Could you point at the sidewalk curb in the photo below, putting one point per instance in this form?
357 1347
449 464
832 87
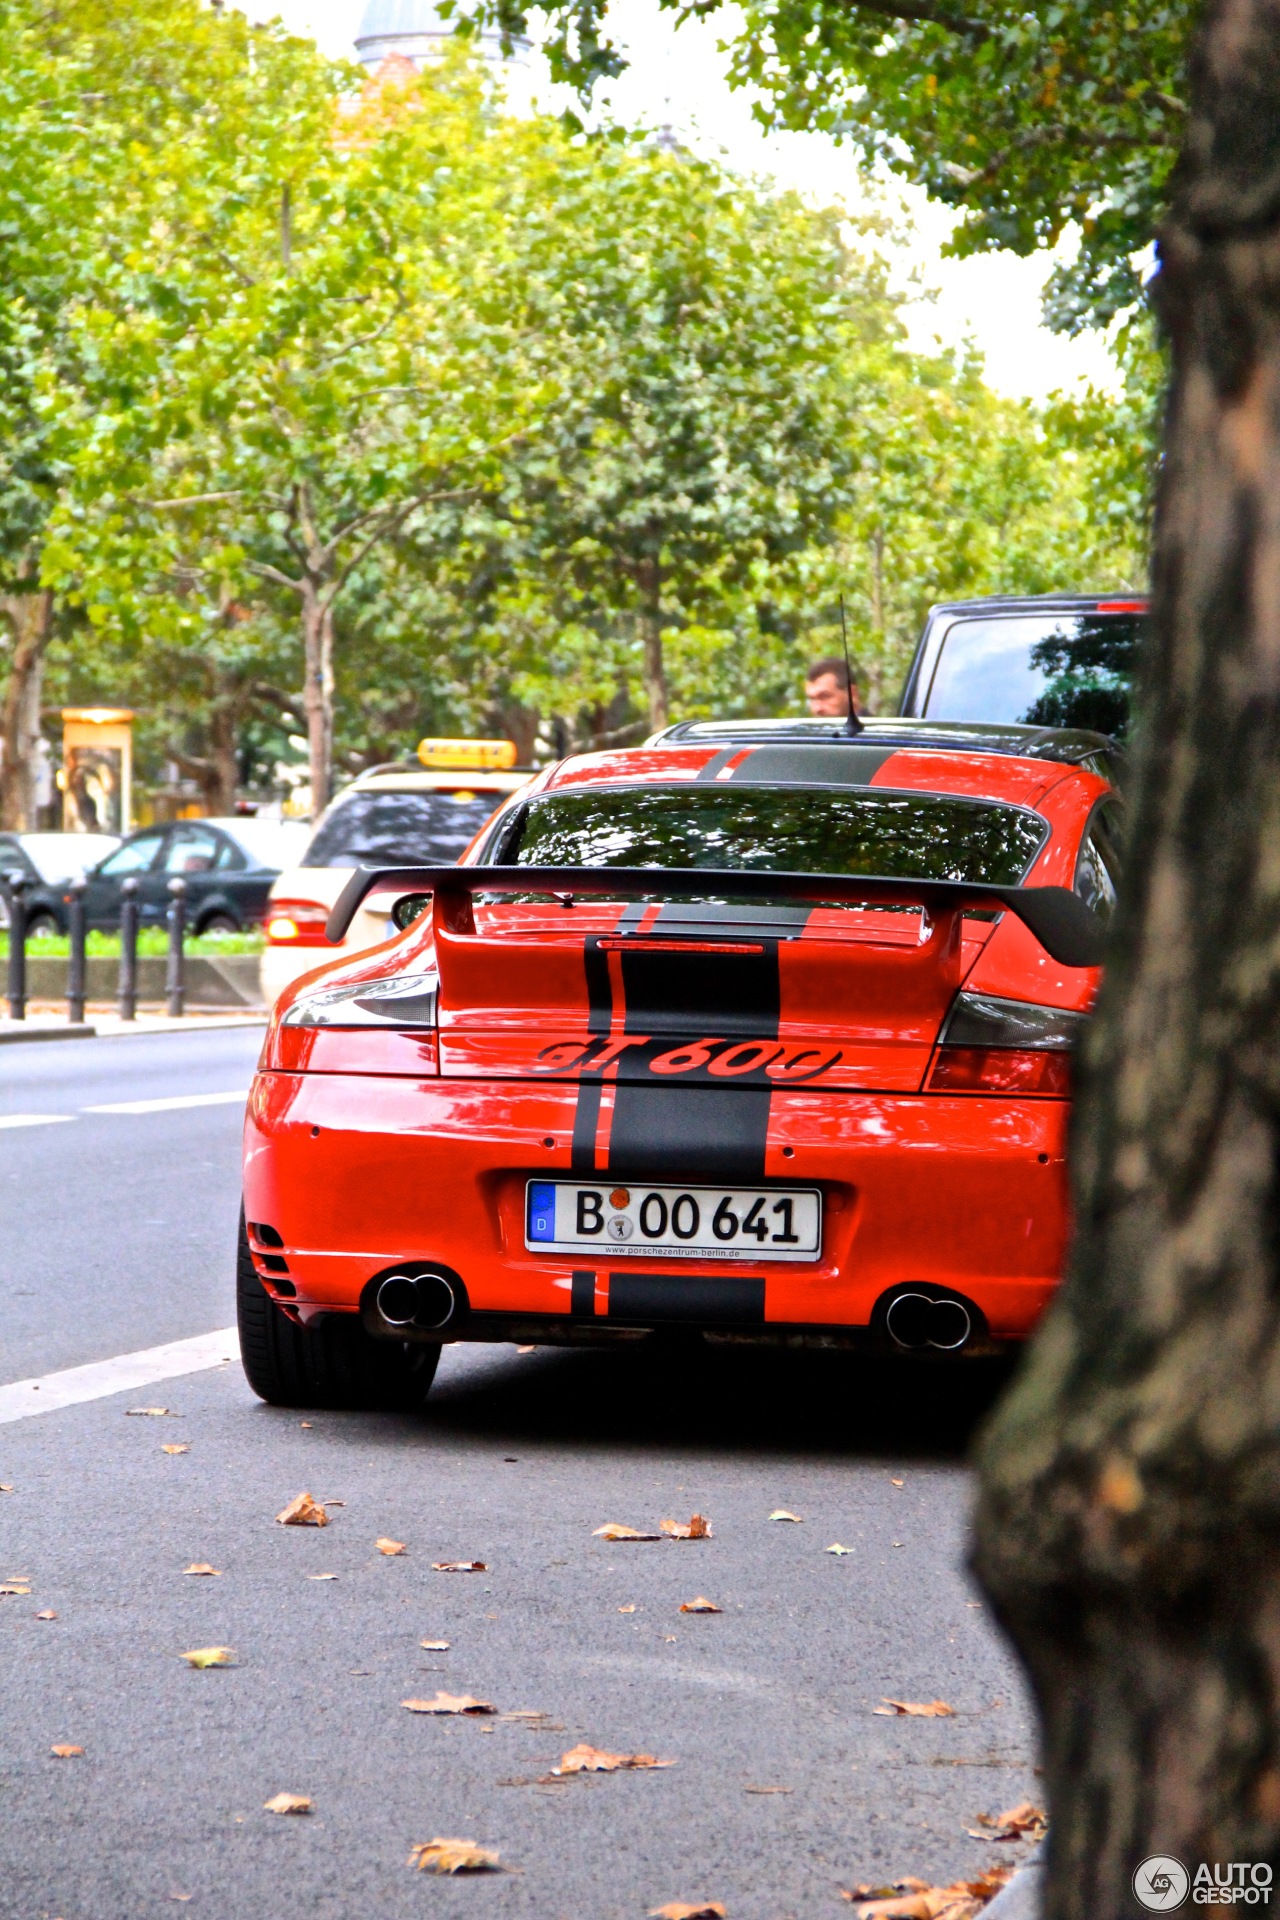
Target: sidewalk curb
12 1033
68 1032
1023 1897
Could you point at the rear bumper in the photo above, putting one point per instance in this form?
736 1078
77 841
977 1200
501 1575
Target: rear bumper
356 1173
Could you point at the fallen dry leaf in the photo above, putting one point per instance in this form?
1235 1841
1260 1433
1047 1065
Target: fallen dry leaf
202 1566
897 1483
585 1759
780 1513
614 1530
458 1566
700 1605
287 1803
66 1753
304 1512
835 1547
322 1576
176 1446
628 1609
768 1789
1025 1821
681 1910
6 1486
389 1547
435 1646
917 1709
304 1423
526 1349
695 1529
14 1586
49 1614
150 1413
449 1703
915 1900
210 1657
452 1856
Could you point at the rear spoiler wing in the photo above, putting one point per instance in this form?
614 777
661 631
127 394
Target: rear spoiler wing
1068 930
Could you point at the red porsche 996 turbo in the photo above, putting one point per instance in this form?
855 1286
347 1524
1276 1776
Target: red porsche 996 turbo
758 1034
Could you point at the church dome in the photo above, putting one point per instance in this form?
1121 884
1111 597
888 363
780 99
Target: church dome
411 28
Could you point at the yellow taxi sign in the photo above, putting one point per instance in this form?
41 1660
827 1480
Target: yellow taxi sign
489 754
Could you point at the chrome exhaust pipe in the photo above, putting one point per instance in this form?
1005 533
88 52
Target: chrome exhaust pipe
917 1320
425 1300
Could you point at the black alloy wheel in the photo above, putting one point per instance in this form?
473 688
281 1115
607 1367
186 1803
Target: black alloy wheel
218 923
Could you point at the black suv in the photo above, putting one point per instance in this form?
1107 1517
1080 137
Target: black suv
1048 660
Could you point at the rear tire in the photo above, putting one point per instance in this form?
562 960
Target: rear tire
335 1364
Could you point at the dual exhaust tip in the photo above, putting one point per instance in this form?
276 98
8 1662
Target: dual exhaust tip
917 1321
425 1301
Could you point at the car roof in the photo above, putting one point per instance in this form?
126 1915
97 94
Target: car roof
1014 603
408 776
837 762
1073 746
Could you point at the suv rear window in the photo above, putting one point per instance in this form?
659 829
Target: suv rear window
1039 670
913 836
401 829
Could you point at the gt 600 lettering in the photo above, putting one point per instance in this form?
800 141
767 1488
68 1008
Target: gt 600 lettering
724 1059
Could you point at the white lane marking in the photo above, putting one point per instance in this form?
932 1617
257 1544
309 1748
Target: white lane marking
174 1101
33 1119
123 1374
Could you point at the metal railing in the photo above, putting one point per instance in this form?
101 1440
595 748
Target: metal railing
16 885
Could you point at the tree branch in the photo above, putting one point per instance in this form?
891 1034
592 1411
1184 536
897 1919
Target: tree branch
189 500
920 13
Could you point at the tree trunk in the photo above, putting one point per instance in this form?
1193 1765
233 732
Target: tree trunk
648 576
317 643
30 618
1129 1519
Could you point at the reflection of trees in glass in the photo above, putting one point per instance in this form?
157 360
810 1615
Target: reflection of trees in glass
781 830
1088 664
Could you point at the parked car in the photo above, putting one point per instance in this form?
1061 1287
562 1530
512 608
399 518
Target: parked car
761 1039
407 815
1050 660
228 865
47 861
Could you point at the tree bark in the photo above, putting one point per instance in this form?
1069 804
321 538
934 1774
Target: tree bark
648 576
1128 1526
317 647
30 618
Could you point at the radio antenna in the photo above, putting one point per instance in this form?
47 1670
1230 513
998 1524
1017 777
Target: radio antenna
852 726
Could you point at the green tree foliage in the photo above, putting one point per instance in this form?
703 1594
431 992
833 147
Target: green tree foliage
1021 118
373 412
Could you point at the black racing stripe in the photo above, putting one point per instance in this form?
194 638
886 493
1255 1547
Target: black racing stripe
823 766
582 1296
722 1299
703 916
718 761
691 992
688 1132
599 986
661 1129
586 1118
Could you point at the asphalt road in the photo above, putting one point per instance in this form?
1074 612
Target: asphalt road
117 1231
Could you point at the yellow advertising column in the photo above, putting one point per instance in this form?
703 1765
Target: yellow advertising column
97 769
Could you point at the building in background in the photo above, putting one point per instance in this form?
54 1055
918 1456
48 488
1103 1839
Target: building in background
413 30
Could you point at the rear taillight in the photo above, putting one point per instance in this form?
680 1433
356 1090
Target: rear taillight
296 923
988 1045
404 1001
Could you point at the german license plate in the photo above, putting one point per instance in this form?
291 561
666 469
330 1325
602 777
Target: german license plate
692 1223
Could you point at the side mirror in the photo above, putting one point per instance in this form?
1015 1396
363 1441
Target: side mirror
410 908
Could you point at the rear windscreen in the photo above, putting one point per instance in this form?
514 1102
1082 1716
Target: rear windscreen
400 829
1039 670
910 836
